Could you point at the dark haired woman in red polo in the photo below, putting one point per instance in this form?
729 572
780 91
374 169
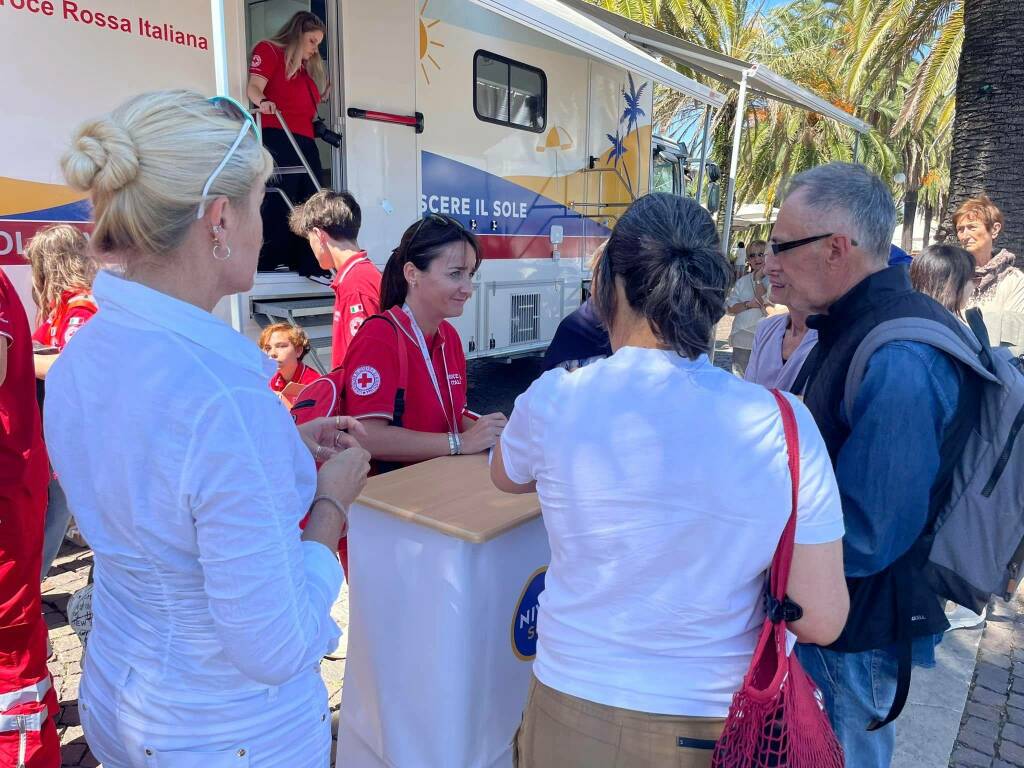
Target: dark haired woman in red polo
428 279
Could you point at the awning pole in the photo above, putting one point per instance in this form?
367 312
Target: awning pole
856 146
220 47
703 153
737 133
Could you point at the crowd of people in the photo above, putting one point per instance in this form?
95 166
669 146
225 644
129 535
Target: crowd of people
217 517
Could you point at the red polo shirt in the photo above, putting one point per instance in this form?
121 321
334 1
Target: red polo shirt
303 375
74 308
371 375
297 98
356 297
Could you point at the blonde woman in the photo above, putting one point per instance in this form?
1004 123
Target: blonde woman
287 78
62 275
210 613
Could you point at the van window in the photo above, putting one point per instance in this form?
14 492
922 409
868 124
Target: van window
508 92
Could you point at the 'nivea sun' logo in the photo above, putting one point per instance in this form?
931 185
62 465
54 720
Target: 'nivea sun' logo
524 620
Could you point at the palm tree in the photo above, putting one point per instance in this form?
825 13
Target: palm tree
988 134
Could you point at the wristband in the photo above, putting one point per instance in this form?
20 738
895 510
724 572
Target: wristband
262 100
333 502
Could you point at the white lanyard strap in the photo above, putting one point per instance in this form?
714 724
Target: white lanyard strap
430 366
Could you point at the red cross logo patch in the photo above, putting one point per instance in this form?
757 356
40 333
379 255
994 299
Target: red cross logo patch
365 380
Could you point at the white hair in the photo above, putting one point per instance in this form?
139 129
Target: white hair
854 196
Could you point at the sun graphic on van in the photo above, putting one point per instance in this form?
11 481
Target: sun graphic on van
426 42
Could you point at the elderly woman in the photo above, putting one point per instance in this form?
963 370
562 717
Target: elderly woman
998 284
210 613
652 603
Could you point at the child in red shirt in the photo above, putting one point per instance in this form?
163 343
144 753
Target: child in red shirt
287 344
330 221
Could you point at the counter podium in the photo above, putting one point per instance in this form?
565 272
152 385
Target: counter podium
444 575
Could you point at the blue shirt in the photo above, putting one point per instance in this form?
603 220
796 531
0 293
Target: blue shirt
886 468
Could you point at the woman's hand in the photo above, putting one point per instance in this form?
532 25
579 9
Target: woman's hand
267 107
343 476
484 433
328 435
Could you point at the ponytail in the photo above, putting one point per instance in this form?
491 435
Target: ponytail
665 250
421 243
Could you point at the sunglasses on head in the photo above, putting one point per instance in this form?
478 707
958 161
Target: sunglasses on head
235 110
436 218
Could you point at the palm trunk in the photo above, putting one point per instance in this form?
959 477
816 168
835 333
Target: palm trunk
909 214
988 135
929 212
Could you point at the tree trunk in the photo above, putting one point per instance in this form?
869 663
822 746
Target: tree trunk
988 133
909 214
929 212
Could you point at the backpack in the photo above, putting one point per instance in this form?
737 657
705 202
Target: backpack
326 395
973 545
977 547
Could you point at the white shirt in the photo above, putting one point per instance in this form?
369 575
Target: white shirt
188 480
664 488
743 324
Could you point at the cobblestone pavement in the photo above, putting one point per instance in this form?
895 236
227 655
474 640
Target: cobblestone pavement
992 726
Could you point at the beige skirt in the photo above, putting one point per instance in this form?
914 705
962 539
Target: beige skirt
562 731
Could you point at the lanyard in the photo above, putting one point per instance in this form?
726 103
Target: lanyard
430 368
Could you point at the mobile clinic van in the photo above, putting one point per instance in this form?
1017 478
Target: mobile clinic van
523 119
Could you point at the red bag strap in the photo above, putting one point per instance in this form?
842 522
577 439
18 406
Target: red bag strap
784 552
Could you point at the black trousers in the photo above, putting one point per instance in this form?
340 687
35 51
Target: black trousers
280 246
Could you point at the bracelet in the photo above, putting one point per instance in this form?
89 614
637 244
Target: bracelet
458 443
262 100
334 503
452 448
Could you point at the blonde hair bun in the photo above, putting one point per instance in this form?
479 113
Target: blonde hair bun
102 158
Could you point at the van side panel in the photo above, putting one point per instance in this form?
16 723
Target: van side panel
380 43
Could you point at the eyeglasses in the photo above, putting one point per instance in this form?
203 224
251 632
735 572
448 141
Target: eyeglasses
777 248
233 109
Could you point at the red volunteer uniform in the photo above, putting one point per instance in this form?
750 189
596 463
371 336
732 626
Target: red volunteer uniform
73 310
356 297
371 375
303 375
28 702
296 98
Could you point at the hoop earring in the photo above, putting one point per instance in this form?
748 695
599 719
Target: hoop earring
226 249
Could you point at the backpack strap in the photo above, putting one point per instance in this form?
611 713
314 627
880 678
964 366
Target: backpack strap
919 329
904 646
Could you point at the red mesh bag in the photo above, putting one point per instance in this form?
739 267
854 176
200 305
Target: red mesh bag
777 719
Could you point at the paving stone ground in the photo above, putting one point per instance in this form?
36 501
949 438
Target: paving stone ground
992 726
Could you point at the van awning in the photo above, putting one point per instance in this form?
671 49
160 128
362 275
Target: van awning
725 69
569 26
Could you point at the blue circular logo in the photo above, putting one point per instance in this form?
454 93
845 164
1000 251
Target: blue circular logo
524 620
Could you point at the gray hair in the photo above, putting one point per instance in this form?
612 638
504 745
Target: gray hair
855 195
666 251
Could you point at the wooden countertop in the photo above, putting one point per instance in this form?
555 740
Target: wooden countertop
453 495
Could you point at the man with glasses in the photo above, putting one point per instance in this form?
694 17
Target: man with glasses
829 252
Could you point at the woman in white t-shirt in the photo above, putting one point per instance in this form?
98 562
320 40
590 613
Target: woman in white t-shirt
653 598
